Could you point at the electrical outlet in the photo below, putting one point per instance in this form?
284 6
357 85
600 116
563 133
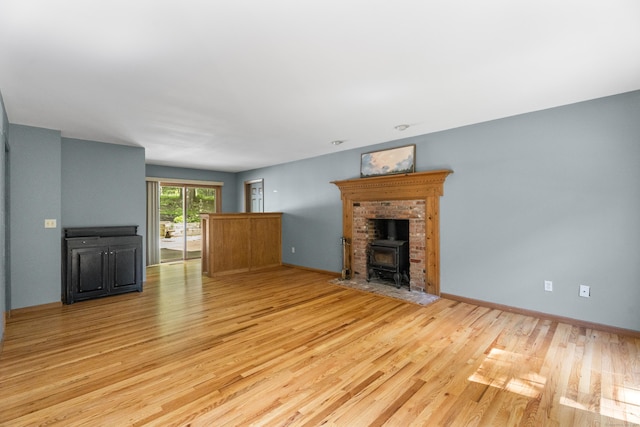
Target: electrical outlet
293 249
50 223
548 285
585 291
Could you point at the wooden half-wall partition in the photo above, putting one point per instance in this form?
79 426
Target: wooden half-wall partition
237 242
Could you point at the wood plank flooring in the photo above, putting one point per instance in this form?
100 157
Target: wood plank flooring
285 347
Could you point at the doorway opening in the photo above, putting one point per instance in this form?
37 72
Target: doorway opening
180 226
254 195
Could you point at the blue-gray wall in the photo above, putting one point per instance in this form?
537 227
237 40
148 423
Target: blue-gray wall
35 196
311 206
549 195
102 185
78 183
4 301
552 195
229 189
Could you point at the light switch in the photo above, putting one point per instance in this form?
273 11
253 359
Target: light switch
50 223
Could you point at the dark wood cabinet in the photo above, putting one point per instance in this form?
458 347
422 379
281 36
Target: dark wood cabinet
101 261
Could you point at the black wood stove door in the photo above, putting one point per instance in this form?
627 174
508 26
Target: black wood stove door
389 259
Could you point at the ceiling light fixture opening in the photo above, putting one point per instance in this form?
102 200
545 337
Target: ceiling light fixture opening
337 142
401 127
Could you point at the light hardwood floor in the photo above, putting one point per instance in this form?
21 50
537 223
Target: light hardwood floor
285 347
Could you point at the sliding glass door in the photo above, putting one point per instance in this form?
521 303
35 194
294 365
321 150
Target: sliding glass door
180 208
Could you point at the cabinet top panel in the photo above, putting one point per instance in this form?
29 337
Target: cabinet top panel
111 231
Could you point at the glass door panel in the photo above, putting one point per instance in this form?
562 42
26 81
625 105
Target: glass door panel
171 223
180 226
198 200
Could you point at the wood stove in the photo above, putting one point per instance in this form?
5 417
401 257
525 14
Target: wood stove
389 258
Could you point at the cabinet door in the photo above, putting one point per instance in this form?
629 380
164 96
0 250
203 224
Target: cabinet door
124 267
89 272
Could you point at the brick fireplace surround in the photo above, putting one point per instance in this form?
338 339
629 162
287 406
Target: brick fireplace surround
414 197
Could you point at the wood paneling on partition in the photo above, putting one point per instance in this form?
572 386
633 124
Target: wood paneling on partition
235 243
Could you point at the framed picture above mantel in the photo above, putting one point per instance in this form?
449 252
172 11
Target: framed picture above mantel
396 160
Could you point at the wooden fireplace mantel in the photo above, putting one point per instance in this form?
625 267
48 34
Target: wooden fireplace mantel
427 186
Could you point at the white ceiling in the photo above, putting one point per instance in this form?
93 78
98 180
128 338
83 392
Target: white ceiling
239 84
